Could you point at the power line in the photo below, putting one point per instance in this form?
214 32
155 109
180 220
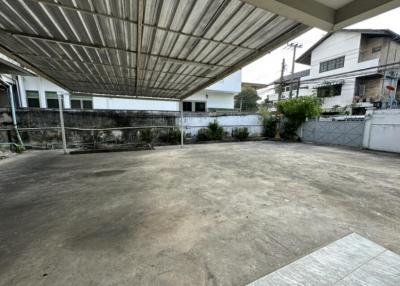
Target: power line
293 46
341 75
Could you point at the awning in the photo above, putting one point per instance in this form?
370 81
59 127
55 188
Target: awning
330 83
152 48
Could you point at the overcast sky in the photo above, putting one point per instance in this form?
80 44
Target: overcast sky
267 69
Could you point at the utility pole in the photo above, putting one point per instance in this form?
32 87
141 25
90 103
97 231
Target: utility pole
293 46
281 80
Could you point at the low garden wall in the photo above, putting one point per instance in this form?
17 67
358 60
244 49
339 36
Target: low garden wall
39 128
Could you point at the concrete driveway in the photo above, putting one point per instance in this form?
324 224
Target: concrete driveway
217 214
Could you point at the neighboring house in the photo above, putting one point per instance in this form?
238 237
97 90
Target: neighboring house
271 92
37 92
348 69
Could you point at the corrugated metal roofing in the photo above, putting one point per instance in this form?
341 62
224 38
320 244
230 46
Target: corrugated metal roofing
147 48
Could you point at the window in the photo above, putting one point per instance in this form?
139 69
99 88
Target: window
376 49
32 97
187 106
81 102
329 90
75 104
200 106
331 64
51 99
87 104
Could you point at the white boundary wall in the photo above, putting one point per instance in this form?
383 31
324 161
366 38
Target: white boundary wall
382 130
193 122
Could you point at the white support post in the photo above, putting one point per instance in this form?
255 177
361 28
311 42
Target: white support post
181 109
60 108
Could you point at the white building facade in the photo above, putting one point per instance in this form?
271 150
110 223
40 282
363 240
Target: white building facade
37 92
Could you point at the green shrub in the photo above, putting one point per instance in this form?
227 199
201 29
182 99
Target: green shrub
171 136
217 132
213 132
268 122
204 134
147 135
296 111
269 125
241 133
18 148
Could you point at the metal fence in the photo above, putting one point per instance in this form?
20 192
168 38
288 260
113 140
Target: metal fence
345 133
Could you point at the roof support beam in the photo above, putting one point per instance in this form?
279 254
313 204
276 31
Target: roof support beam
79 74
110 65
82 93
309 12
120 84
139 43
315 14
360 10
101 47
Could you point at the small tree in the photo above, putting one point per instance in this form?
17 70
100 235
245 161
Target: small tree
268 122
296 111
247 99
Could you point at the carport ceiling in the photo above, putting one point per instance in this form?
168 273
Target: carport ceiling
143 48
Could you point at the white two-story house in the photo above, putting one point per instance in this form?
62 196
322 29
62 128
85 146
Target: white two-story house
351 69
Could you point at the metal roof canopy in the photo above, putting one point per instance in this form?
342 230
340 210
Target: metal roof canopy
142 48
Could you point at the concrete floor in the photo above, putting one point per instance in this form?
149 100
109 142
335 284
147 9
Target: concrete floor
217 214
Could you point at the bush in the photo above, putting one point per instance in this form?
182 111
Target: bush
268 122
213 132
172 136
217 132
18 148
270 125
204 134
296 111
147 135
241 133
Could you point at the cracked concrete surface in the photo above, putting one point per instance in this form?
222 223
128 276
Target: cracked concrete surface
216 214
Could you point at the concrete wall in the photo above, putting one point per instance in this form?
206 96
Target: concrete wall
40 127
193 122
382 130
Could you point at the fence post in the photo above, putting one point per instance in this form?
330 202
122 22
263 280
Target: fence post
60 108
181 109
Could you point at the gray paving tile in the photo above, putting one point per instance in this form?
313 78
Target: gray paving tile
327 265
384 270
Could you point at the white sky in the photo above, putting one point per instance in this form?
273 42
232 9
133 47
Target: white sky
267 69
